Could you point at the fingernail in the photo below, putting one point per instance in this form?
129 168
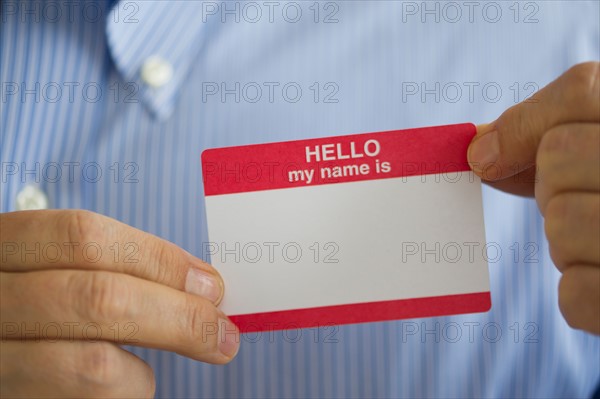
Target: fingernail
484 151
229 338
204 284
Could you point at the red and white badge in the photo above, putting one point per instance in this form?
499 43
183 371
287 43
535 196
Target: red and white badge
348 229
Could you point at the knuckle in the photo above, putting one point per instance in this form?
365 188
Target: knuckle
555 215
556 228
103 368
99 365
583 82
545 174
101 296
517 125
199 322
166 264
553 168
81 226
567 141
558 138
554 219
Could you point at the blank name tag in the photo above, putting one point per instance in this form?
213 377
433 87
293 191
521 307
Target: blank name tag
349 229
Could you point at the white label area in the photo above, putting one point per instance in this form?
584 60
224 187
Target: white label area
356 242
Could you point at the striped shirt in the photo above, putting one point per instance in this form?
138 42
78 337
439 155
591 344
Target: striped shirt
107 107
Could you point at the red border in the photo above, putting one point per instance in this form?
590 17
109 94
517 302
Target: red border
410 152
364 312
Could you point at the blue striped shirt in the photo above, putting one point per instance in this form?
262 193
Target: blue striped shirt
81 124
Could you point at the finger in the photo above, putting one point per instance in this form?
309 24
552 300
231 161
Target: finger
72 370
510 143
579 297
572 225
59 239
568 160
523 183
98 305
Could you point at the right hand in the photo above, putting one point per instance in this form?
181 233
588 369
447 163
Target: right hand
64 312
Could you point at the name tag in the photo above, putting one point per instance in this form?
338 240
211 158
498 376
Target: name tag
349 229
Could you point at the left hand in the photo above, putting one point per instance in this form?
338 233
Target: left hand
549 146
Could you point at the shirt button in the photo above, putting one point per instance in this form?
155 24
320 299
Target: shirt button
156 72
31 198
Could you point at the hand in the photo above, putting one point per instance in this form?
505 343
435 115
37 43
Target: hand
549 146
75 284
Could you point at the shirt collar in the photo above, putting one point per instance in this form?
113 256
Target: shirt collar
147 30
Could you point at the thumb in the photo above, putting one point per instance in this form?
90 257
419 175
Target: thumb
509 145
